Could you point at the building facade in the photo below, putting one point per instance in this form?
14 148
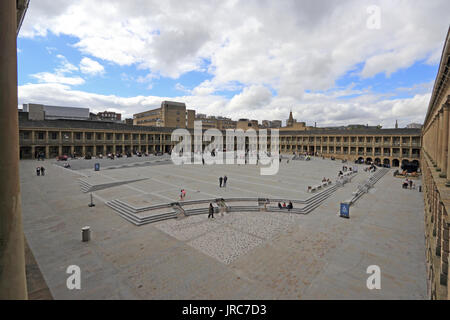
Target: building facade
66 137
44 112
109 116
170 115
436 180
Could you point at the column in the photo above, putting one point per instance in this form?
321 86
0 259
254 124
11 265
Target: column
83 141
440 118
444 141
12 255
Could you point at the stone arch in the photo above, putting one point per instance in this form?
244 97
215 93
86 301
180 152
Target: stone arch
395 163
386 161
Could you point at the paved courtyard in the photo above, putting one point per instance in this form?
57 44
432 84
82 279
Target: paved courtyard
243 255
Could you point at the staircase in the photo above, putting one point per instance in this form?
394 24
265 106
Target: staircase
364 188
88 187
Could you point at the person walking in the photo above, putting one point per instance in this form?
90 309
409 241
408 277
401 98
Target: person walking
220 182
225 178
43 171
290 206
183 192
211 211
279 206
38 171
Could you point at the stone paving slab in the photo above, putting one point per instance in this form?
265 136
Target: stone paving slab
248 255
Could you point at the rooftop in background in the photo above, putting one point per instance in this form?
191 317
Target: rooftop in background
102 125
44 112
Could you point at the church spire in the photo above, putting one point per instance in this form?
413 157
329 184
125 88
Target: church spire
290 121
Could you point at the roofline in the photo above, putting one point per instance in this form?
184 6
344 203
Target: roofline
445 49
22 7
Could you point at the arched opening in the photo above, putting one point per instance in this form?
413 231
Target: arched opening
360 160
409 167
395 163
416 162
369 160
377 161
386 163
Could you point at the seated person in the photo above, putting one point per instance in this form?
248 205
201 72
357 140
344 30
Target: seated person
290 206
284 205
324 179
279 206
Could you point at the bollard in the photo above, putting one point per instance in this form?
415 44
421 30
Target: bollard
92 204
86 234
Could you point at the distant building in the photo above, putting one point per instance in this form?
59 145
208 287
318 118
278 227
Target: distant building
272 123
171 114
44 112
129 121
245 124
109 116
414 126
292 124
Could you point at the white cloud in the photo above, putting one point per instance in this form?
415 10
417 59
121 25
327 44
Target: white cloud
296 49
59 75
91 67
290 45
47 77
256 103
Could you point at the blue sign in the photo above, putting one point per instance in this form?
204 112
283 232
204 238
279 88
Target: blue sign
97 167
345 210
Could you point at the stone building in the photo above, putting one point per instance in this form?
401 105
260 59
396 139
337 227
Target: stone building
436 180
59 137
109 116
170 115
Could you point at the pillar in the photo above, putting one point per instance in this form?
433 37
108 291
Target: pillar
12 255
444 142
439 148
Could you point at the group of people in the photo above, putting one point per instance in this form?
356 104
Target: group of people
325 180
40 156
40 171
223 181
222 208
284 206
345 168
371 168
408 183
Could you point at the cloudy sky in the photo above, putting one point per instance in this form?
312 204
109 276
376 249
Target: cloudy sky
331 62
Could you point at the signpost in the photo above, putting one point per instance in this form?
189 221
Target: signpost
345 210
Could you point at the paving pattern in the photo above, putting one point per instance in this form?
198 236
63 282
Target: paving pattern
243 255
